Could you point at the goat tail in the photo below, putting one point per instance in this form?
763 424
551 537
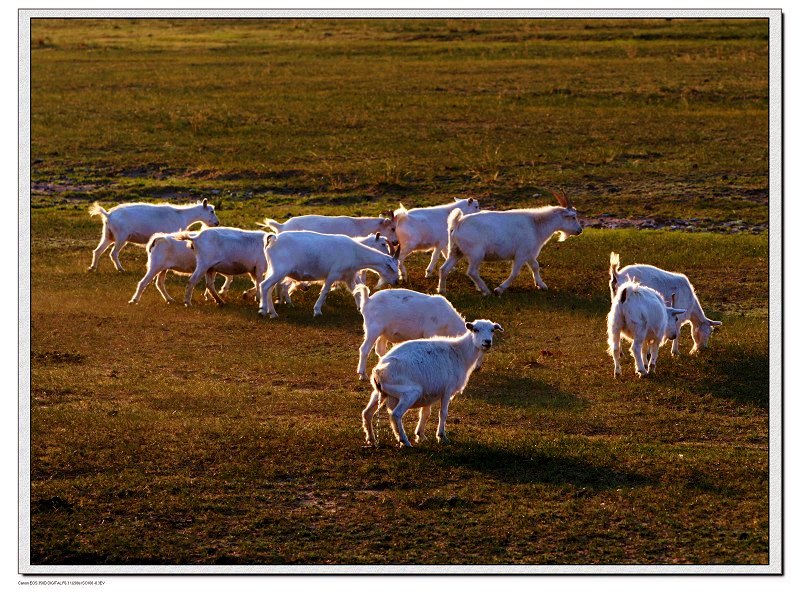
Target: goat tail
268 239
375 376
400 212
271 224
613 272
153 240
97 210
614 264
454 219
187 236
361 292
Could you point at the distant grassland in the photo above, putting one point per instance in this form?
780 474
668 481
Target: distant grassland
633 117
166 435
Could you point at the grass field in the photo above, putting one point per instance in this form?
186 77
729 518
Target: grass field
166 435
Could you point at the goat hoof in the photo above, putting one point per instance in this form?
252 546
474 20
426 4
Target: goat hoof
497 291
362 376
419 438
132 301
317 314
443 439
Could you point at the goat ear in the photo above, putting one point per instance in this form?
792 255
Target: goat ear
624 296
470 326
469 201
714 323
377 235
497 327
205 202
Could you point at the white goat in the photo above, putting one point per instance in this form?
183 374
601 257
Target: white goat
373 241
303 256
518 235
394 316
420 372
168 252
425 229
639 314
675 286
137 222
346 225
230 251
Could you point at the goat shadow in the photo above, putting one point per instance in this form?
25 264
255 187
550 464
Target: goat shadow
339 310
732 372
552 300
517 390
533 466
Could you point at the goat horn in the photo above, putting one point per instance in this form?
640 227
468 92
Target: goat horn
563 200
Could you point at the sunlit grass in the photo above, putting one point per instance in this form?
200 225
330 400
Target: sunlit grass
208 435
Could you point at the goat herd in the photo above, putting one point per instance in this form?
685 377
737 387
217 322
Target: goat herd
437 350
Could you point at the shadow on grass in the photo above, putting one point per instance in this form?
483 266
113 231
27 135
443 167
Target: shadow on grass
735 373
537 467
520 298
515 390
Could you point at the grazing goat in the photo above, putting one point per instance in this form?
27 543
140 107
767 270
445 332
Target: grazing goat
167 252
517 235
393 316
346 225
425 229
373 241
304 256
421 372
639 314
137 222
377 242
669 283
230 251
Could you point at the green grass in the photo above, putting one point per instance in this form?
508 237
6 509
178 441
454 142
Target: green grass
658 118
208 435
166 435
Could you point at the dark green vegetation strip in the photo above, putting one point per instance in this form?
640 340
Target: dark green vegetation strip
649 118
166 435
